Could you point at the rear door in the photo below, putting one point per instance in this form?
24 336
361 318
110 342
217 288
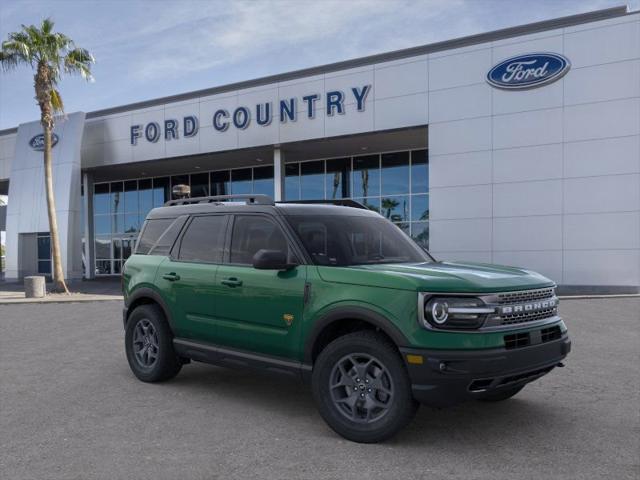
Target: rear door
187 277
259 310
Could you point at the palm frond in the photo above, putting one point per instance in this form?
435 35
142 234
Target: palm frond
56 101
79 61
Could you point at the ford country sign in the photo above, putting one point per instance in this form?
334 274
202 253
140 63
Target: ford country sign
37 142
528 71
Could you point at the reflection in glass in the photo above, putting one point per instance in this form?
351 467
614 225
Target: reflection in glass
395 173
116 198
241 181
420 233
102 224
370 203
366 176
117 223
312 180
395 209
131 203
419 171
292 181
117 248
199 185
131 223
404 227
220 183
103 247
337 179
103 267
160 191
263 180
101 198
420 207
145 195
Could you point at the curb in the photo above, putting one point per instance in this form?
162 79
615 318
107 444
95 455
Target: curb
102 298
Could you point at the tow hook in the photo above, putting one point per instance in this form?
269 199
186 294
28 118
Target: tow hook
560 364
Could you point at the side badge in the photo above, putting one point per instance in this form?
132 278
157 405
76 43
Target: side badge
288 318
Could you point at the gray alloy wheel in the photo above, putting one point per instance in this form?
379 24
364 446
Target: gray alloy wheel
361 388
145 343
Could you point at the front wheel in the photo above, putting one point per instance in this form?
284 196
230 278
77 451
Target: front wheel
362 388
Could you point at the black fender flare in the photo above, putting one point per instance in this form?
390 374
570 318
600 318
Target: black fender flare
146 292
351 313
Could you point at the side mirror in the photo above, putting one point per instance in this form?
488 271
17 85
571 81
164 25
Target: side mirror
271 260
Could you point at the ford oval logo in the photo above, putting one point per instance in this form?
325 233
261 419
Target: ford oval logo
528 71
37 142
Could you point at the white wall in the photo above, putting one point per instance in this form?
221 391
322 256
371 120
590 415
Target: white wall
27 208
547 178
7 151
397 99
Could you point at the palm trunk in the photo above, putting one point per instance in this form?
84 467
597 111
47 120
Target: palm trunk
59 284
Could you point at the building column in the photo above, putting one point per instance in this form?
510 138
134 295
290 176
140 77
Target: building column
87 221
278 174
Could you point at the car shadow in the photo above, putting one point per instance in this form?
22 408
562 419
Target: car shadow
466 424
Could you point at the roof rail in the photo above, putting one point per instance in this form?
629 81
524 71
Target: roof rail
257 199
342 202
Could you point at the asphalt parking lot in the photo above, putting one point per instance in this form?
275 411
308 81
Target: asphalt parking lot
71 409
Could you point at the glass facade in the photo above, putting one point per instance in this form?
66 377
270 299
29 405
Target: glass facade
119 208
396 184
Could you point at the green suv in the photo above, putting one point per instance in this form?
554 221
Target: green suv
336 296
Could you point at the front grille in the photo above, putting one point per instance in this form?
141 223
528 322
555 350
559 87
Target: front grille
549 334
509 298
527 296
519 340
516 340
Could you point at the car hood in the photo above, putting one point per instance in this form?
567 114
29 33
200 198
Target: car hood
437 277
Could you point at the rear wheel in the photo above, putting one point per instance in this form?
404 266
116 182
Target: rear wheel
500 395
149 345
362 389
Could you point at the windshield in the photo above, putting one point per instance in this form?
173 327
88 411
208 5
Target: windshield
359 240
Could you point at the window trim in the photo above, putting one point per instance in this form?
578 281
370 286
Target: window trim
299 257
174 253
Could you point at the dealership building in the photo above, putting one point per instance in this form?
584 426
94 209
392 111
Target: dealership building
519 146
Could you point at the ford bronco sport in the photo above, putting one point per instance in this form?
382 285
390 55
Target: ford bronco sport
339 297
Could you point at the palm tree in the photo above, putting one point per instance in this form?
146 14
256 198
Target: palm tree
50 55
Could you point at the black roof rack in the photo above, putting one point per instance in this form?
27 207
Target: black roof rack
342 202
251 199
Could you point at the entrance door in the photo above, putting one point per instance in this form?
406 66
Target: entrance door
258 310
187 278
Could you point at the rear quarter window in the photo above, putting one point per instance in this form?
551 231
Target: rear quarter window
159 235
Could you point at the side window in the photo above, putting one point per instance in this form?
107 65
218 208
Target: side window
253 233
152 231
204 239
168 238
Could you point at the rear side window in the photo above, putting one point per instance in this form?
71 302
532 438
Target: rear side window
253 233
204 239
152 231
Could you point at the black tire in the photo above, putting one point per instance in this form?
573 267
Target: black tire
165 364
393 380
500 395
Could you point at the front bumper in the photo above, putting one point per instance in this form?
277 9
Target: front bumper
447 377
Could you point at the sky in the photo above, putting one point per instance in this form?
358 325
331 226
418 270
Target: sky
150 49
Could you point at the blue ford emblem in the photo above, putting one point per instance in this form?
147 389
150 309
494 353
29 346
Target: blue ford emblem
528 71
37 142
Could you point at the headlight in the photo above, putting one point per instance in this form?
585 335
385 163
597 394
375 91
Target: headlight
455 312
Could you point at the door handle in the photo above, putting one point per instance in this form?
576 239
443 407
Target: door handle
232 282
172 277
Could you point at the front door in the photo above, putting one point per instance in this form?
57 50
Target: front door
259 310
187 279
